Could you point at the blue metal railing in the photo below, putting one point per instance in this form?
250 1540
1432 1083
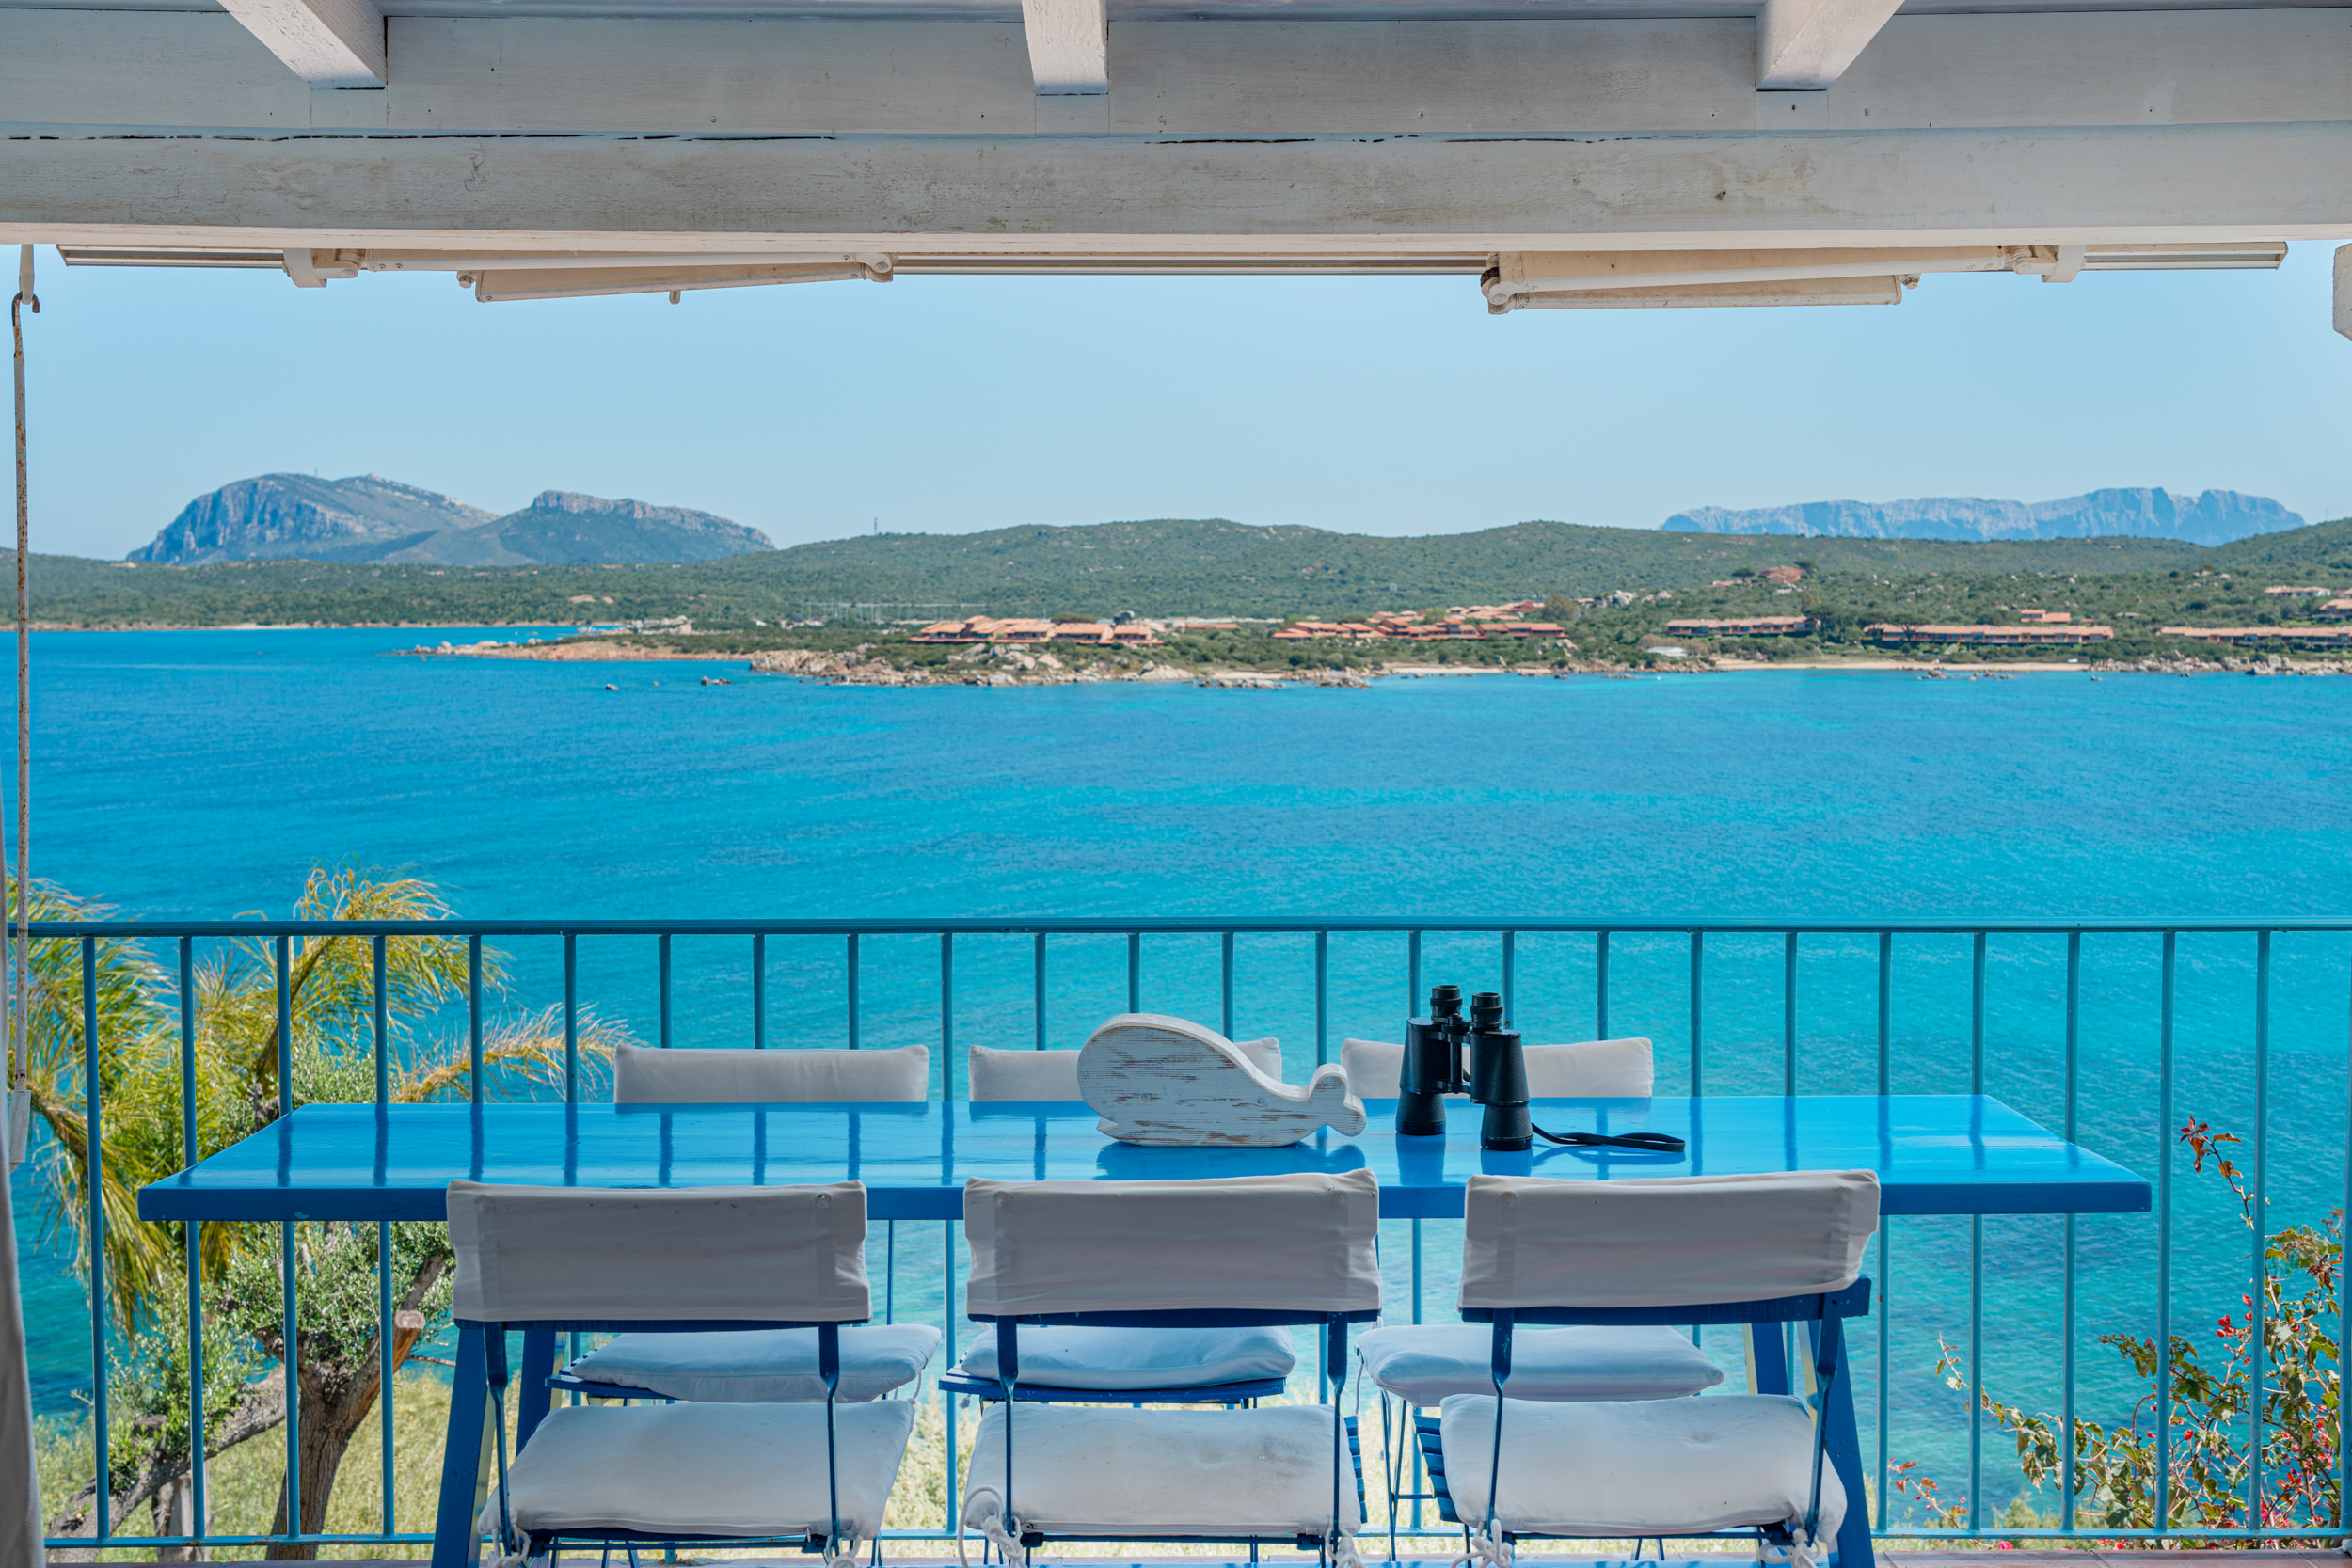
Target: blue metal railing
1747 1056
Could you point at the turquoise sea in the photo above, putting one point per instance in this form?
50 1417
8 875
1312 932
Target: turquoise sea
201 774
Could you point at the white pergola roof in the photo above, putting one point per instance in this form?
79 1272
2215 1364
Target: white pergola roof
1573 152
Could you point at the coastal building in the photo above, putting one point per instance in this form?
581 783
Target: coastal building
2299 593
1993 637
1753 625
2046 617
1082 631
2335 610
2248 637
1786 576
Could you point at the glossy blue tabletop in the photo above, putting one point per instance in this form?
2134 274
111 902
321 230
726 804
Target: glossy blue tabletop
1935 1154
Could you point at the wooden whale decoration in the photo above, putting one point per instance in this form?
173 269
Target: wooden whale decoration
1159 1080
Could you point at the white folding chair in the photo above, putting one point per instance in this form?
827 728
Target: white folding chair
1416 1366
1118 1366
998 1076
1750 1250
650 1075
551 1259
1256 1251
781 1367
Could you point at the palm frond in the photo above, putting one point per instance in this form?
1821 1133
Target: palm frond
526 1050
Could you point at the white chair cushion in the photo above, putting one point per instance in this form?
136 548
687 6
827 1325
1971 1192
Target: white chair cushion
1581 1069
1724 1462
648 1075
766 1366
1137 1357
1162 1474
707 1469
1424 1363
1049 1075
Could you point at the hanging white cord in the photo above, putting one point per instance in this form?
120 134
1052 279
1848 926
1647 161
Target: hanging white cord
19 1015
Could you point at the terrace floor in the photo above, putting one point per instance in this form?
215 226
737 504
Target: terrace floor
2073 1557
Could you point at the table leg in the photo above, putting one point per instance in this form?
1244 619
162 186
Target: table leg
1844 1443
457 1534
531 1393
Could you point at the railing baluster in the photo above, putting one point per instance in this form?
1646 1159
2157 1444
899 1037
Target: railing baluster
192 1239
2262 1222
1226 981
948 1326
1885 1240
1975 1018
947 1023
1976 1257
1789 1018
2066 1314
2343 1315
1885 1269
1886 1012
1412 975
1698 998
662 948
850 966
1510 975
1323 997
2164 1240
473 1016
1600 985
1134 971
381 1017
571 1018
1039 1010
759 990
290 1282
94 1180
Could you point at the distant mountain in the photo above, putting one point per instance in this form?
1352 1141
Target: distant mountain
559 525
361 519
2213 517
366 518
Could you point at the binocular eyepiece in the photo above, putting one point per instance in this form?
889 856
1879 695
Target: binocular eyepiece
1434 1062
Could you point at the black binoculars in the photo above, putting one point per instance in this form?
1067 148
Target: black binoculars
1439 1047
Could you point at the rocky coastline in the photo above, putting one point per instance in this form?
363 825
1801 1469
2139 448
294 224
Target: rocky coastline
1003 664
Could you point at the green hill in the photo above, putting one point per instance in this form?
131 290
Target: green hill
1179 567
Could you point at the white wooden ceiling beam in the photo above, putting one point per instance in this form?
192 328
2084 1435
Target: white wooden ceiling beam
1806 45
328 43
1109 193
1069 46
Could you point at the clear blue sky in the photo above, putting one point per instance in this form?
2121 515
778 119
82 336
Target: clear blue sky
1377 406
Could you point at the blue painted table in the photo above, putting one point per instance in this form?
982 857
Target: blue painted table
1935 1154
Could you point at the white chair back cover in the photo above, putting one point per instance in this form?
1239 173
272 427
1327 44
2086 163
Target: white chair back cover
704 1254
1293 1243
1053 1074
1673 1241
648 1075
1581 1070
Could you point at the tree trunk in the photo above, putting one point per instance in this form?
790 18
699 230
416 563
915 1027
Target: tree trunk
336 1398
